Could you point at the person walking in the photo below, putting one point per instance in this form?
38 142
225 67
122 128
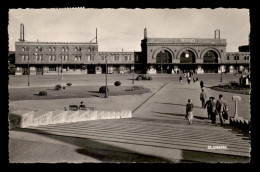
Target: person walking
201 84
194 80
213 110
208 105
189 111
221 107
203 97
180 79
188 79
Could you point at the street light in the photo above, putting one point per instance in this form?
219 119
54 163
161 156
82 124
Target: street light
61 66
220 69
106 80
28 72
161 62
134 69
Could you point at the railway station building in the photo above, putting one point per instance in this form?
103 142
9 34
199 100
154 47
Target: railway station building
157 56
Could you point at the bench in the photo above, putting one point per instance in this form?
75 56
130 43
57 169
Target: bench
73 107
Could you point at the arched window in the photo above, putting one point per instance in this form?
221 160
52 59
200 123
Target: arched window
187 56
210 57
164 56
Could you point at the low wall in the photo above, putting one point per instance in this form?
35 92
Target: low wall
23 118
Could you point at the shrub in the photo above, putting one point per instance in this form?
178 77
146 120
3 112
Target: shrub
103 89
69 84
42 93
58 87
117 83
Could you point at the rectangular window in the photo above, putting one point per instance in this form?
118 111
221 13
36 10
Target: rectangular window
50 58
88 57
237 57
227 57
27 57
102 57
76 58
126 58
116 57
23 59
79 58
91 58
67 58
53 57
52 68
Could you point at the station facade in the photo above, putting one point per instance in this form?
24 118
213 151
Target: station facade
158 55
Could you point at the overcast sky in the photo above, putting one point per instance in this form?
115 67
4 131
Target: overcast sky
123 28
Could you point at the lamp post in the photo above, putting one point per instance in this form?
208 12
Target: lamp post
106 80
161 62
28 72
61 67
220 69
134 69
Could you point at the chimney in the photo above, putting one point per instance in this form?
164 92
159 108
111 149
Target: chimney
22 32
145 33
217 34
96 35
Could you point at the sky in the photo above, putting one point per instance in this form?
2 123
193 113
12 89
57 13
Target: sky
124 28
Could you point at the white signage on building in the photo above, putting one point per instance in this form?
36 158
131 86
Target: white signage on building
187 40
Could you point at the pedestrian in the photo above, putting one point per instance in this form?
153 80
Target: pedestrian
188 79
180 79
81 105
208 105
197 78
221 107
189 111
201 84
203 97
194 80
213 110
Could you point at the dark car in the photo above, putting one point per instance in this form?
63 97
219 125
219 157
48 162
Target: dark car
143 77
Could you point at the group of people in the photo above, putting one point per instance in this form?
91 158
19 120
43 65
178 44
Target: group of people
188 79
214 108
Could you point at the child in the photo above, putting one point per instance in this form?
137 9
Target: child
189 111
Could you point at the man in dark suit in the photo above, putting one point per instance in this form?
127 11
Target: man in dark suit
221 107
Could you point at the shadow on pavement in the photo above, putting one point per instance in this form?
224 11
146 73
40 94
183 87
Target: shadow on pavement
177 104
101 151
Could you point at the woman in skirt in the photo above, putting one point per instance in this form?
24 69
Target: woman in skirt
189 111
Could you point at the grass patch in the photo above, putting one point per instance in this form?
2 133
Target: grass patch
73 92
232 89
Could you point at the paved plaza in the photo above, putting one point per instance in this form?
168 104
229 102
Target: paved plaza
157 132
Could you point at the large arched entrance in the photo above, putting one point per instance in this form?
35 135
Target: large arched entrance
187 61
163 61
187 56
211 57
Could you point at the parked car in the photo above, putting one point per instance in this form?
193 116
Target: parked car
143 77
